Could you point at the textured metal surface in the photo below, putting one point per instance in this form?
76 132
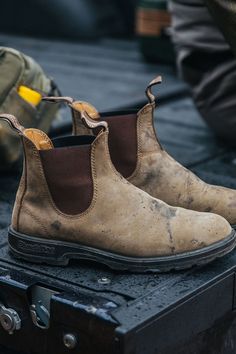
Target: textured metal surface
111 75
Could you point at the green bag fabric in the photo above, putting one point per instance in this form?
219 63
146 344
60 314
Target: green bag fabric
17 69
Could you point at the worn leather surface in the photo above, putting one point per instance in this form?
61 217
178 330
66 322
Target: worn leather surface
121 218
158 174
162 177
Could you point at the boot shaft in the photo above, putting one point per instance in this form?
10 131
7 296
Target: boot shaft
153 170
59 171
131 133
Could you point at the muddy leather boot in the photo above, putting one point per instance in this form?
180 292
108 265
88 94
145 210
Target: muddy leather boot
138 155
72 203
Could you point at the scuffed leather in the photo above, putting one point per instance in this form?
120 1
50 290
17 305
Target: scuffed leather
161 176
121 217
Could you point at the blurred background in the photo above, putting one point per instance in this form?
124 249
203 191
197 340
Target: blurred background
106 52
71 19
93 20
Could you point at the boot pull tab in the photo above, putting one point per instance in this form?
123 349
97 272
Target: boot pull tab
149 94
35 136
91 123
13 122
81 106
78 106
39 139
81 112
56 99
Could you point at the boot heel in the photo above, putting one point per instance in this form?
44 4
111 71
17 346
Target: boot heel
34 249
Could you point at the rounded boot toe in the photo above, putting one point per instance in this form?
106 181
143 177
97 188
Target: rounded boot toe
217 229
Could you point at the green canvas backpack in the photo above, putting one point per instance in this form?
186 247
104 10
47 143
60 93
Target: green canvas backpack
16 70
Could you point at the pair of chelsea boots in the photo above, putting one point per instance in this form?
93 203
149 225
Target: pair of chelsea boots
110 193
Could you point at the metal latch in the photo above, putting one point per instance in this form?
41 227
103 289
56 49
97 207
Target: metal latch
40 315
9 319
40 305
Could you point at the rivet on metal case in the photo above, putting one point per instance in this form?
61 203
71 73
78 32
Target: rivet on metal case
91 309
9 319
70 341
104 281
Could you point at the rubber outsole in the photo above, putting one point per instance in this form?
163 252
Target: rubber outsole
53 252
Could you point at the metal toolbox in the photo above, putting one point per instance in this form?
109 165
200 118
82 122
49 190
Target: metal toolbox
88 309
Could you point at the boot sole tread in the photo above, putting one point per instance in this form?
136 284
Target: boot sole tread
59 253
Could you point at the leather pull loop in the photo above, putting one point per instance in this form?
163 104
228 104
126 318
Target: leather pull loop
81 106
149 94
91 123
13 122
35 136
56 99
77 107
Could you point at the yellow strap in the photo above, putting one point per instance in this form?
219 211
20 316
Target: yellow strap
29 95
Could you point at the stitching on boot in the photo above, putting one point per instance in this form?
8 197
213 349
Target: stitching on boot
36 219
146 109
25 177
139 154
110 162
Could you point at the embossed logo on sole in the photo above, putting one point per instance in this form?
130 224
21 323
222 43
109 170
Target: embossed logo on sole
35 248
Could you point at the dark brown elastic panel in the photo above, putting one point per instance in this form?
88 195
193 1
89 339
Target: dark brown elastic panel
123 142
69 177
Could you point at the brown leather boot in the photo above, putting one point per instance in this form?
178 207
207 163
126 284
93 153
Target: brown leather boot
72 203
138 155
